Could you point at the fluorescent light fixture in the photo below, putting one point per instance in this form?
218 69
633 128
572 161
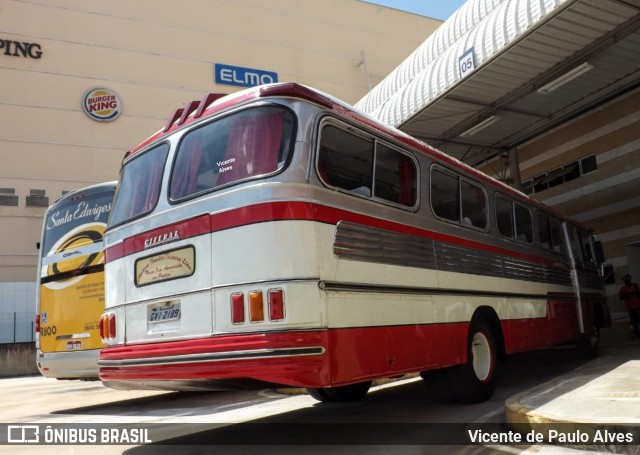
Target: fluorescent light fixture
566 77
480 126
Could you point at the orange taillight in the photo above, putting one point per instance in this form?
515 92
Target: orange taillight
256 306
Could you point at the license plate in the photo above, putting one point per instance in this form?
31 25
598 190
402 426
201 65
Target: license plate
165 313
74 345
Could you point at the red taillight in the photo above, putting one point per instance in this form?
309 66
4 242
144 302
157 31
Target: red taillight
112 325
237 308
37 327
102 331
276 304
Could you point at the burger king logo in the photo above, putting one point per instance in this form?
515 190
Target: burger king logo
102 104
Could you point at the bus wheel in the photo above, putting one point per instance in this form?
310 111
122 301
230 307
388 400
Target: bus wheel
342 394
474 381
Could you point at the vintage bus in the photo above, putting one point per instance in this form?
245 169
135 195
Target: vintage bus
70 293
278 236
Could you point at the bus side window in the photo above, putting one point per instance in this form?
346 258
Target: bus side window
395 176
524 224
556 236
345 160
445 195
504 217
473 205
544 231
456 199
514 220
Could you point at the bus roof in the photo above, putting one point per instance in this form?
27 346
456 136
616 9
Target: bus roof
214 103
88 189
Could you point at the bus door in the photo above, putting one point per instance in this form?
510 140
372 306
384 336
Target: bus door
572 246
585 278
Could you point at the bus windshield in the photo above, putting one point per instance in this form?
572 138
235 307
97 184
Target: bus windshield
244 145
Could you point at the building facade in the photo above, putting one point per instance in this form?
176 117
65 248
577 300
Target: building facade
589 169
541 96
83 81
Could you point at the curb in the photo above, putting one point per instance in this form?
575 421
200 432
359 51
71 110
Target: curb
566 431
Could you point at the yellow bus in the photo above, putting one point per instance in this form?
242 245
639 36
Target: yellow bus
70 292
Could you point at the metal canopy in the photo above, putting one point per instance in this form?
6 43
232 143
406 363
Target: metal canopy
531 73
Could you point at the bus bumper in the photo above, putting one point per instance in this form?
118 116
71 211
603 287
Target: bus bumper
248 361
69 365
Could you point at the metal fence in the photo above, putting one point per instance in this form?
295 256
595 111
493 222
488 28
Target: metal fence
17 327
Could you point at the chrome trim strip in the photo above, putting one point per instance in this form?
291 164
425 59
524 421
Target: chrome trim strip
381 289
215 357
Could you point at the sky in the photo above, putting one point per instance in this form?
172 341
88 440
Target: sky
437 9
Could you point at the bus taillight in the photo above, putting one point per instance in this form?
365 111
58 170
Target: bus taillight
112 325
276 304
37 326
237 308
275 309
256 306
108 327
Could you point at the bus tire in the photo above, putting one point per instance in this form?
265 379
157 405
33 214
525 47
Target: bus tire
474 381
319 394
342 394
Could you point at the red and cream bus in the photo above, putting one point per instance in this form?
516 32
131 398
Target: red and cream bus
278 236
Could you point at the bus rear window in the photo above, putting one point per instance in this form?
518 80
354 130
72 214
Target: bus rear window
139 185
248 144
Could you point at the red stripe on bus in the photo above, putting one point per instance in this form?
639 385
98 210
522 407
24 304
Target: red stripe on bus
283 211
351 355
299 370
362 353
